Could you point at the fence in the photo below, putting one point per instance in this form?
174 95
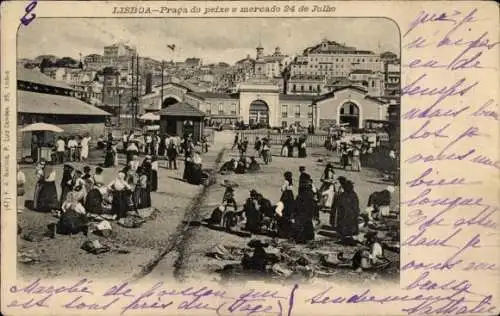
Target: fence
313 140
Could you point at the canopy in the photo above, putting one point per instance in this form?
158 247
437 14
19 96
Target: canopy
36 127
150 117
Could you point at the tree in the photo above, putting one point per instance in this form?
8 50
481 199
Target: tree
66 62
45 64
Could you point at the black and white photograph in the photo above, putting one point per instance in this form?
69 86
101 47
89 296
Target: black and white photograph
209 148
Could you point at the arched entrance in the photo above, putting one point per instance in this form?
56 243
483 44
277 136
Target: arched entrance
259 113
349 113
169 101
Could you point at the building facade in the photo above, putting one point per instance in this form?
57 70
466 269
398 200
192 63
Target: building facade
331 59
261 102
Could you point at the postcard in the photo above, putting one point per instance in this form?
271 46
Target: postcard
250 158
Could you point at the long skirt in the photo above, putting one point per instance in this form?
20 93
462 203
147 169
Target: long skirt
186 175
302 153
154 180
145 198
304 230
196 174
93 202
284 151
36 194
109 159
47 197
71 223
120 205
65 189
290 151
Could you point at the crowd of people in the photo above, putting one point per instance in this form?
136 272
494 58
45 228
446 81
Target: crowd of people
296 215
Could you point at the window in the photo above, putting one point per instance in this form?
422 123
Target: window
297 110
310 88
284 124
284 110
209 110
302 88
294 87
310 111
233 109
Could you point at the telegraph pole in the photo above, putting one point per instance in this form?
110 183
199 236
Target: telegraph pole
161 89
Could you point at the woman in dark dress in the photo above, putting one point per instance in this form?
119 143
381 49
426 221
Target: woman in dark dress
121 192
346 206
154 174
288 200
304 229
66 182
93 201
162 147
252 214
47 196
196 173
302 147
109 158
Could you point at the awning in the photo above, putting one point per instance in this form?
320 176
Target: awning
37 127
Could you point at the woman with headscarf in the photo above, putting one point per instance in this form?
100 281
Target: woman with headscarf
302 147
327 178
47 195
304 214
66 182
286 146
252 214
120 189
142 191
337 188
131 150
347 208
109 158
288 201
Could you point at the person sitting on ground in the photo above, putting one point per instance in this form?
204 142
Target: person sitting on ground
228 166
253 166
379 203
241 166
88 178
372 256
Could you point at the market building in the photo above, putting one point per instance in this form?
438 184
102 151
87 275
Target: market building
261 102
42 99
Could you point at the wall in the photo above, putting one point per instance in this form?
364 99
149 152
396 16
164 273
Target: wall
306 115
329 109
272 101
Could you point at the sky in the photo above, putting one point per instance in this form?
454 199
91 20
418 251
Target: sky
213 40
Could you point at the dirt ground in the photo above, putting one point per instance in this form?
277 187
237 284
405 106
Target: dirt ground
171 245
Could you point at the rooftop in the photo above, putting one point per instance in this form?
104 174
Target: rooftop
214 95
42 103
37 77
181 109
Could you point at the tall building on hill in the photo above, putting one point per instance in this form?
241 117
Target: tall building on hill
331 59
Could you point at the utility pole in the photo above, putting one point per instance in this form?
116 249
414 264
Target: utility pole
136 103
162 70
132 94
